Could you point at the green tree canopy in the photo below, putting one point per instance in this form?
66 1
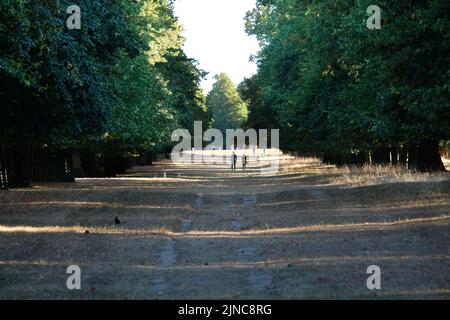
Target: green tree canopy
117 86
227 108
337 87
56 78
260 113
121 80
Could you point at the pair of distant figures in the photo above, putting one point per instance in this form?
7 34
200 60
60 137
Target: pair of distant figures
234 159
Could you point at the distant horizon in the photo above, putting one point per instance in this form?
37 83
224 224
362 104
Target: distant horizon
215 36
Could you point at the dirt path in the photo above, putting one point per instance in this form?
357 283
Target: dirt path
210 234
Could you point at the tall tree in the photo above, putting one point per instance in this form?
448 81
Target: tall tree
346 92
118 85
260 114
184 78
227 108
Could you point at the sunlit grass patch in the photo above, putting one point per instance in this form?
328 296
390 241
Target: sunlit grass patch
381 174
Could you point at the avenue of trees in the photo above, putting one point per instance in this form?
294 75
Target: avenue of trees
95 100
85 102
349 94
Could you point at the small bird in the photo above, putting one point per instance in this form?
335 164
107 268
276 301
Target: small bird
117 221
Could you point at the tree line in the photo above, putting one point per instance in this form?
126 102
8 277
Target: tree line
349 94
93 101
96 100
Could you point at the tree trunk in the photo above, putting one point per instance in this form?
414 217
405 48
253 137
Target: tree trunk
381 156
424 156
18 167
359 159
60 167
68 166
78 171
40 164
91 165
394 156
327 159
110 166
3 174
403 156
151 157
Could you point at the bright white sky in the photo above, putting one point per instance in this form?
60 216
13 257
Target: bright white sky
216 38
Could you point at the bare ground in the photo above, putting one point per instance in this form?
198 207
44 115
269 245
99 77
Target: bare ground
208 234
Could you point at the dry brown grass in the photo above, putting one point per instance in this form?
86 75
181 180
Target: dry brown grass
370 175
251 232
305 237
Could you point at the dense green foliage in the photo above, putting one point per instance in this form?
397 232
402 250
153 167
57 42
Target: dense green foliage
118 85
227 108
260 113
55 79
121 77
346 92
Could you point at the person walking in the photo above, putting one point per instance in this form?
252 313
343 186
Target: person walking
244 162
233 162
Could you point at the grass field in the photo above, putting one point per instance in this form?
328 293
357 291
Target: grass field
204 233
